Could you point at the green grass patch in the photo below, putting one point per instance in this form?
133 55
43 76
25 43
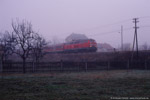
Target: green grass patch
75 86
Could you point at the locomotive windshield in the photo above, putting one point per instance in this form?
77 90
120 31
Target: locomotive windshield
92 40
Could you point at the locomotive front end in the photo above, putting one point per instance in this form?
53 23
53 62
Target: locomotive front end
93 45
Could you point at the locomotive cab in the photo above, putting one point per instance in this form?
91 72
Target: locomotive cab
93 45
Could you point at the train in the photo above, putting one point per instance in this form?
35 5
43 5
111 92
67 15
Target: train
84 45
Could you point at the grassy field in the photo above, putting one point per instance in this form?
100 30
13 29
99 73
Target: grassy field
101 85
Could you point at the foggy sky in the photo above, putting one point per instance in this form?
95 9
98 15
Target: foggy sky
94 18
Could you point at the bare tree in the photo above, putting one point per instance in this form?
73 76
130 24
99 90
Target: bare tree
37 50
24 37
38 45
7 45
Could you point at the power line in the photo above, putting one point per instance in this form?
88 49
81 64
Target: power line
112 24
144 26
123 21
104 33
144 17
120 22
108 25
114 31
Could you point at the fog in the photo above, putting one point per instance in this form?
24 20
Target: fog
97 19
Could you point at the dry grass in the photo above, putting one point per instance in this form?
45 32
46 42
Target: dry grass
75 86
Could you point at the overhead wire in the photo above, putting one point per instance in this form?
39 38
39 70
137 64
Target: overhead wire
112 24
144 17
145 26
123 21
107 25
125 29
114 31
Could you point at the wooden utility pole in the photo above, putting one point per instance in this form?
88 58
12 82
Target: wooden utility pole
122 38
135 21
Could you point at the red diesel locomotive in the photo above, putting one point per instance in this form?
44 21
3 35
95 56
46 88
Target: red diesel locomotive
88 45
